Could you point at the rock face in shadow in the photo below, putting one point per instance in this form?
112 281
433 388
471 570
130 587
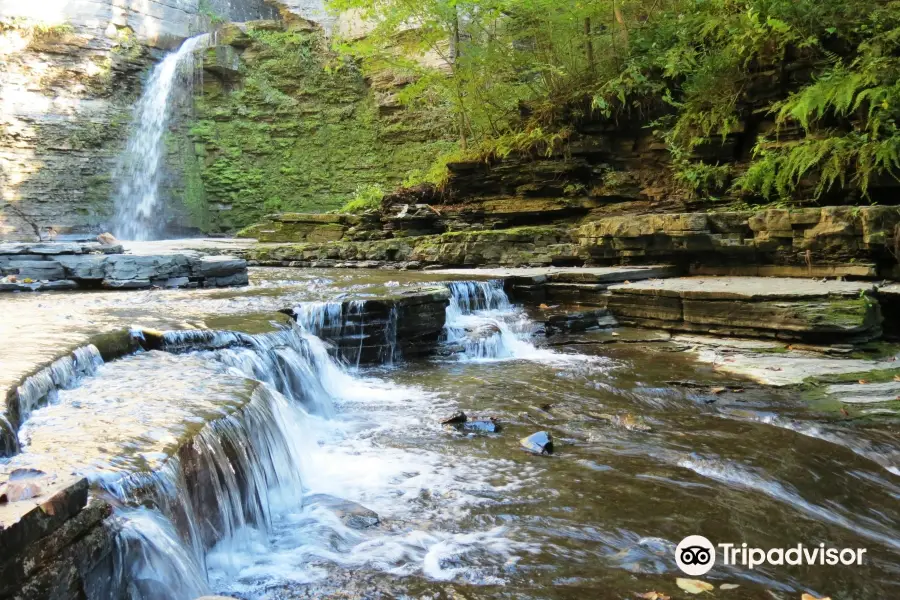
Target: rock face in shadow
55 545
385 329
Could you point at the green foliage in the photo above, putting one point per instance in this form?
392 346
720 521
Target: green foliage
210 13
366 197
516 74
37 30
301 133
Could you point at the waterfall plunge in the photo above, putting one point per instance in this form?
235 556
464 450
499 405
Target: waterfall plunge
138 171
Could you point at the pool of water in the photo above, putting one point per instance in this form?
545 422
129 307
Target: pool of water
650 446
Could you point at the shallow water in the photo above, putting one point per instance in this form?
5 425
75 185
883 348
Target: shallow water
648 451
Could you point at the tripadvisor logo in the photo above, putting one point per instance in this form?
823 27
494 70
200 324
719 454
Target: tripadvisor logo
696 555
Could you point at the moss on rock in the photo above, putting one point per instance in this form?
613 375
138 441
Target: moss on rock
299 132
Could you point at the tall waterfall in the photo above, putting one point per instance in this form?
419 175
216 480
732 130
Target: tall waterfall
139 168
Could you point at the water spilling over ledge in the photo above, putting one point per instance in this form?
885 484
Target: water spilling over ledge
278 463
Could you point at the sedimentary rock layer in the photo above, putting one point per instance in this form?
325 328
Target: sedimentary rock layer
43 266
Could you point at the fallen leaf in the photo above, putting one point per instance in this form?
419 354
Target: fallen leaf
544 307
790 347
863 381
729 586
694 586
28 280
896 377
844 412
737 390
717 390
811 597
653 596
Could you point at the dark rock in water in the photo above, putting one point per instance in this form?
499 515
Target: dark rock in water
483 425
457 419
353 515
539 443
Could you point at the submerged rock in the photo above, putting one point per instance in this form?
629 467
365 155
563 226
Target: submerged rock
483 332
482 425
538 443
625 421
352 514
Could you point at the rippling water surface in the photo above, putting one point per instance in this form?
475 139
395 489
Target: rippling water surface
649 449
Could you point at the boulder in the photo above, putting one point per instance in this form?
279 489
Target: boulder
219 266
456 419
538 443
84 266
139 267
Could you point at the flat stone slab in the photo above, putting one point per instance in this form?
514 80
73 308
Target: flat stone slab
743 288
39 286
585 275
57 248
776 369
865 393
778 308
120 271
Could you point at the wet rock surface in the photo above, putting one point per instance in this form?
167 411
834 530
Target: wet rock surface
538 443
352 514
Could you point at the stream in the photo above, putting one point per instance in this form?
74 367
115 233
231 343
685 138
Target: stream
648 450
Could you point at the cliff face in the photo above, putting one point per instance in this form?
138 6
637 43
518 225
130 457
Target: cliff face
70 71
283 124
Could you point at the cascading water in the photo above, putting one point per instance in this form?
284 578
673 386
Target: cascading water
139 169
482 321
241 497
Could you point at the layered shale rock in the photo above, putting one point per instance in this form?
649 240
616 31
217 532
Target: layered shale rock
780 308
830 241
48 266
381 329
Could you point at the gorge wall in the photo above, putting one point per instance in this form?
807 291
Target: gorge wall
70 71
284 124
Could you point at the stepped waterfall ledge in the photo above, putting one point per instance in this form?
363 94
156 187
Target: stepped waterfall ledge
358 300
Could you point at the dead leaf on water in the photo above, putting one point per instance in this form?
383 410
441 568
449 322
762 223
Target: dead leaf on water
896 377
863 381
653 596
717 390
694 586
811 597
729 586
543 307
